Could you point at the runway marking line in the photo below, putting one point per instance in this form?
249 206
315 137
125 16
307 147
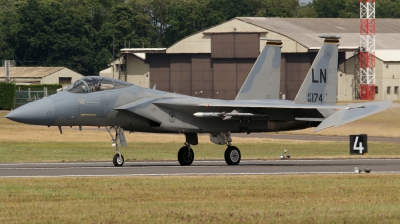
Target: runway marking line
199 161
202 174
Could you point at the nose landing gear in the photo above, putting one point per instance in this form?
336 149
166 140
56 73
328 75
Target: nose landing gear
186 155
119 139
118 159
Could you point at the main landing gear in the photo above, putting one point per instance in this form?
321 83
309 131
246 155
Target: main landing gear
232 153
119 139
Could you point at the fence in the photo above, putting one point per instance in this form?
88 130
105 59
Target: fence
25 96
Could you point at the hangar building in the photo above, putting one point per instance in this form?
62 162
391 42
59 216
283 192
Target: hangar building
214 62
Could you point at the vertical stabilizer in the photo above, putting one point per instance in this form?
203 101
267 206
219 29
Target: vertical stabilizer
320 84
263 81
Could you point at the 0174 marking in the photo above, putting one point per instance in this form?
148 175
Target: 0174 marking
314 97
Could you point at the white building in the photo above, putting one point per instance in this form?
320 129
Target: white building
41 75
387 76
131 67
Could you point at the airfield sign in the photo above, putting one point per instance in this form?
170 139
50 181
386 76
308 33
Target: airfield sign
358 144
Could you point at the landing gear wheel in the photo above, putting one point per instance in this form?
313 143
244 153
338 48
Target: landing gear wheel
118 161
232 155
185 156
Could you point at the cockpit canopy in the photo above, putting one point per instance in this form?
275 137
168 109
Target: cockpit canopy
96 83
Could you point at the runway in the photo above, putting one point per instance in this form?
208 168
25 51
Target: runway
172 168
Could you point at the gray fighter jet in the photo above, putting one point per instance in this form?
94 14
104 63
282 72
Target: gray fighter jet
119 106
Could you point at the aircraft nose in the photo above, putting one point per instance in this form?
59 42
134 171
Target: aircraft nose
40 112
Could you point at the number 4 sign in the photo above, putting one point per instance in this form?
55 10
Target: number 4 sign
358 144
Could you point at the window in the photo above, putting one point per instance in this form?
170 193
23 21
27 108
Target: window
396 90
78 86
90 84
120 67
118 84
388 90
106 84
64 80
376 89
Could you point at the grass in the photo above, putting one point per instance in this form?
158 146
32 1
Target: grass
143 151
353 198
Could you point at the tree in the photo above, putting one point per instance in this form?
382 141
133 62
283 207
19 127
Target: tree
282 8
8 28
387 9
306 11
159 11
351 9
126 27
328 8
83 34
184 19
50 35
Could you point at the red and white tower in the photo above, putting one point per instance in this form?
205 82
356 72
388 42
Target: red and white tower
367 49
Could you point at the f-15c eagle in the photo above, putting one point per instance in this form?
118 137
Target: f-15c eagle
119 106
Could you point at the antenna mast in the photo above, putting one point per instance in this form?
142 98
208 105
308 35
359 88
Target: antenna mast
367 49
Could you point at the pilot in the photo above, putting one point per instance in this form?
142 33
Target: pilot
91 84
96 87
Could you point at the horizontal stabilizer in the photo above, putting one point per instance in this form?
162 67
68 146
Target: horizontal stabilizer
353 112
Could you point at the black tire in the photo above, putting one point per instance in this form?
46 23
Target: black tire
232 155
117 161
184 158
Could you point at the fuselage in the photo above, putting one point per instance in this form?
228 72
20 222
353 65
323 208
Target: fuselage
73 107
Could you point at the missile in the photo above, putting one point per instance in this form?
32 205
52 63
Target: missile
223 114
205 114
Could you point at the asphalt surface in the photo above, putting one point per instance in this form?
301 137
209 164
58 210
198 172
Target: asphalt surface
172 168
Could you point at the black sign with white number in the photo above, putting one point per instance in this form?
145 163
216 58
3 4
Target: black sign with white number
358 144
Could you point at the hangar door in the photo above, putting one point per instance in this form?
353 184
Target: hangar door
233 56
181 74
159 66
202 76
235 45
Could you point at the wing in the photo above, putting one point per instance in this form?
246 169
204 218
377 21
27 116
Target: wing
227 109
353 112
185 103
282 110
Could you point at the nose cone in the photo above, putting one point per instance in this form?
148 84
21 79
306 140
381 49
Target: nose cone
40 112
